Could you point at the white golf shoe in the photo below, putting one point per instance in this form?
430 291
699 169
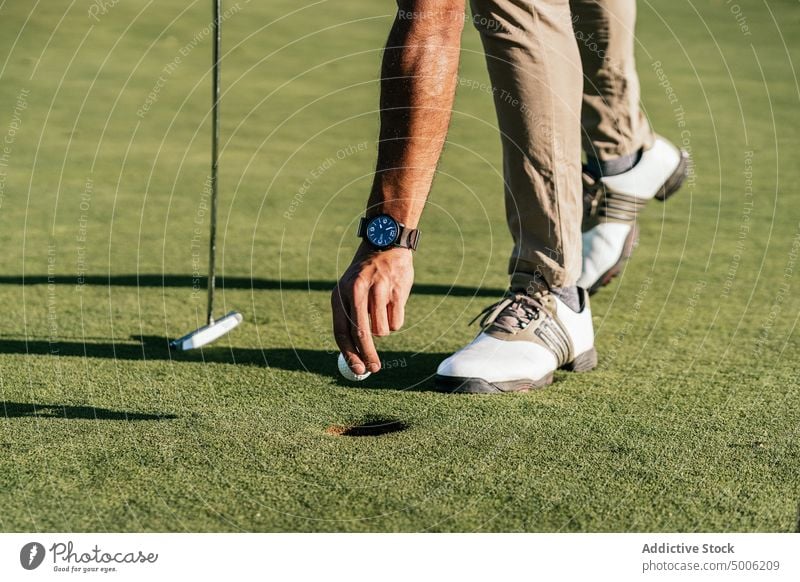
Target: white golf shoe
525 337
612 203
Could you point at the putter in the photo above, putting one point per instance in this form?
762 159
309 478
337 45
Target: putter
214 329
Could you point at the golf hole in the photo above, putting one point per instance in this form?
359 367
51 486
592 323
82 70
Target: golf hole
369 427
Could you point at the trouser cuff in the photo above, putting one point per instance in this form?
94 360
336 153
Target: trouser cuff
547 272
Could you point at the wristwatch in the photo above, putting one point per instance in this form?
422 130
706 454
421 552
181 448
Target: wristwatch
384 232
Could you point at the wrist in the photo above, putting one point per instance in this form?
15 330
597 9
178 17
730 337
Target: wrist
366 250
401 215
397 202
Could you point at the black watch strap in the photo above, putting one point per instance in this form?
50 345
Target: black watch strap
408 239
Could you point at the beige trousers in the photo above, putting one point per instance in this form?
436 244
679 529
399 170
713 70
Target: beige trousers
555 66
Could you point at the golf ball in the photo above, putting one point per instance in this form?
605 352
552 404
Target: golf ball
345 371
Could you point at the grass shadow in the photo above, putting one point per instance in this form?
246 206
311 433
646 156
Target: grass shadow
253 283
401 370
145 348
31 410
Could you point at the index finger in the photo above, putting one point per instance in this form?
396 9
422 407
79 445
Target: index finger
361 331
341 332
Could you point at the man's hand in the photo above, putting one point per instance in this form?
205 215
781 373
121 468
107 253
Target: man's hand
369 300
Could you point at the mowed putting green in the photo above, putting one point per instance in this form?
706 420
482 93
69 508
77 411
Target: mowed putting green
690 422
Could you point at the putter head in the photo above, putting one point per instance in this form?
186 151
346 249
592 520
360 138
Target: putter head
208 333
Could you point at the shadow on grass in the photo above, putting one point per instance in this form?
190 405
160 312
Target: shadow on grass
24 409
401 370
145 348
162 281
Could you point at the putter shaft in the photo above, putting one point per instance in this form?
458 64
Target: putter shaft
212 235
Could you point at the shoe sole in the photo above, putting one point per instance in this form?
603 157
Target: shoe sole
670 187
585 362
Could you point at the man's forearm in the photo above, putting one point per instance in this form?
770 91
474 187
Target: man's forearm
418 82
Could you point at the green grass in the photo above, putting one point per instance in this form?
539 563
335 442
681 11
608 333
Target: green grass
690 422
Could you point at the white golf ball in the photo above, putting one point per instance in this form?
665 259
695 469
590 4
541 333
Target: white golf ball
345 371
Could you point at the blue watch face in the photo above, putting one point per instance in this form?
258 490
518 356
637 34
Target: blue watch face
382 231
